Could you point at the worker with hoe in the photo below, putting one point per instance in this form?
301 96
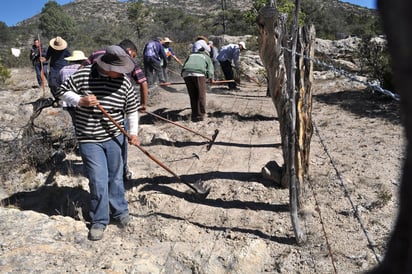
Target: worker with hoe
37 50
138 76
104 85
197 67
154 57
56 53
227 54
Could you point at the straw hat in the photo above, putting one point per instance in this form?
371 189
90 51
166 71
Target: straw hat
115 59
167 40
201 37
77 55
58 43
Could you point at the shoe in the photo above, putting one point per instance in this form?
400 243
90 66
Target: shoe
123 220
236 88
96 233
127 175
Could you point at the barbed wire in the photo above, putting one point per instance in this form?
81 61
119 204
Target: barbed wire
355 208
374 85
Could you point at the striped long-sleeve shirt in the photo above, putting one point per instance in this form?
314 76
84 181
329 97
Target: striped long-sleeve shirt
115 95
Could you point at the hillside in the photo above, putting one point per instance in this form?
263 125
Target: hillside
103 22
116 11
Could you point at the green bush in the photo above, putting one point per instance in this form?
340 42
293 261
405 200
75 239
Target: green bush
4 74
375 61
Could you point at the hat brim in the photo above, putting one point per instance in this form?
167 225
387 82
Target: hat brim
75 58
126 64
62 47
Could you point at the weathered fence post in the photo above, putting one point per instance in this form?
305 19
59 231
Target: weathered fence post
289 84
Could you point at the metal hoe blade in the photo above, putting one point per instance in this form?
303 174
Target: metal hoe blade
209 146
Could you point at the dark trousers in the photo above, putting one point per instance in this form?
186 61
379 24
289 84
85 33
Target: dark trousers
37 68
196 87
153 71
228 72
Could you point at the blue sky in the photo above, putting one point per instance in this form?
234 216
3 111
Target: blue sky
15 11
364 3
18 10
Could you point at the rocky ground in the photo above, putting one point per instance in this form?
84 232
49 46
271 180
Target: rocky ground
243 225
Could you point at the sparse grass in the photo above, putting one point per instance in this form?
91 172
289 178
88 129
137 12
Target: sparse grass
4 75
384 197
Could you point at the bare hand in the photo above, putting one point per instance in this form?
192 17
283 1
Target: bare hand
134 140
142 109
88 101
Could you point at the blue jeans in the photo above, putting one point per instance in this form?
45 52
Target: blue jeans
104 167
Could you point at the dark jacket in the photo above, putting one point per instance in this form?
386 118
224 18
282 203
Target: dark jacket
35 54
154 52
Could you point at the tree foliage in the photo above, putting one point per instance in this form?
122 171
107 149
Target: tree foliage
139 16
54 21
375 59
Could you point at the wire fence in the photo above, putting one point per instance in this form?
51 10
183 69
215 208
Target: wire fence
374 85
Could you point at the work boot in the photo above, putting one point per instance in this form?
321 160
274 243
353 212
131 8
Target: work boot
123 220
96 233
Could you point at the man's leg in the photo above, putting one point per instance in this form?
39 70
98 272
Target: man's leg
201 101
158 69
38 73
117 199
95 163
228 72
192 91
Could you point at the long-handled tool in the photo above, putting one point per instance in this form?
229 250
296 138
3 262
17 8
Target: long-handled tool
211 140
218 82
41 66
198 186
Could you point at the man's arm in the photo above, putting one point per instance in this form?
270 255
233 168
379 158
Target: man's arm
144 93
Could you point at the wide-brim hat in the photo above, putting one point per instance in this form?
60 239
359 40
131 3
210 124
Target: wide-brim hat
201 37
58 43
167 40
77 55
115 59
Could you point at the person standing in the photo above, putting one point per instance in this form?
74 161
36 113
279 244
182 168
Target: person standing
213 55
138 76
56 52
169 55
75 63
228 54
197 68
104 83
154 58
37 50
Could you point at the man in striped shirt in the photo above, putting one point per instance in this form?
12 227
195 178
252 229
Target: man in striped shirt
136 73
104 83
138 76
